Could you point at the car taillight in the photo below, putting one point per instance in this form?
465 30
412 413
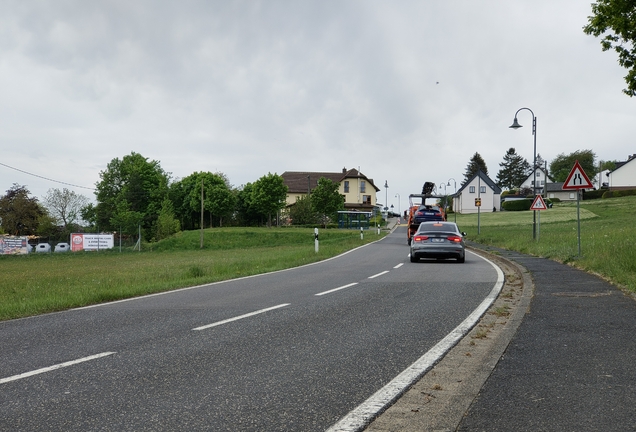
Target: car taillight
420 238
455 239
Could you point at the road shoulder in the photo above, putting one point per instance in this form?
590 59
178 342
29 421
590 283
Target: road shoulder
439 400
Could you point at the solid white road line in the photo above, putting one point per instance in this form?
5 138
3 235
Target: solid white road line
52 368
361 416
337 289
379 274
241 317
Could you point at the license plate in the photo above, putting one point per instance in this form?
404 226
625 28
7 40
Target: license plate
437 240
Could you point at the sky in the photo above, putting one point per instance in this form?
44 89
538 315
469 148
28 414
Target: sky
404 91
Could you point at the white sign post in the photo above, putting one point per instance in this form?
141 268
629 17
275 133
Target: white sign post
577 180
538 204
316 239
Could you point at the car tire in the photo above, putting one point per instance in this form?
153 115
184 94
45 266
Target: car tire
414 259
461 259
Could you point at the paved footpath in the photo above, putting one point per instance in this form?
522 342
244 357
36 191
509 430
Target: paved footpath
571 366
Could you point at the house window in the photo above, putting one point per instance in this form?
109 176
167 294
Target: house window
366 199
363 186
471 189
346 186
572 196
482 189
542 182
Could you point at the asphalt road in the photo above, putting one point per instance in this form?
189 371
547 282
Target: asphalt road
288 351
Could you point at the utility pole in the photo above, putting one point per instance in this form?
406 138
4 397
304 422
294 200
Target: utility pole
201 212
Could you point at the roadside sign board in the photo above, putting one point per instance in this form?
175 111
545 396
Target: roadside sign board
577 179
538 204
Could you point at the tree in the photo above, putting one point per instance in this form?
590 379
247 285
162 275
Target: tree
132 188
326 200
65 206
218 198
166 224
269 195
561 166
19 213
514 170
475 164
616 21
302 212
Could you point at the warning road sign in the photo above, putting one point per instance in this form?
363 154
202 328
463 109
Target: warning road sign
538 204
577 179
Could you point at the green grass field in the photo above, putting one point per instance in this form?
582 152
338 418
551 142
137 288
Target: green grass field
608 236
39 283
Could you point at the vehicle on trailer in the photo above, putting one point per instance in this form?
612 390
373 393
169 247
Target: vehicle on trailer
421 211
438 240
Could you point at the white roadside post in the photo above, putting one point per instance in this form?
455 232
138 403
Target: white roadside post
361 234
316 239
378 229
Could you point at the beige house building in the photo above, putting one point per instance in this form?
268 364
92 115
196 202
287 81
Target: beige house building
358 190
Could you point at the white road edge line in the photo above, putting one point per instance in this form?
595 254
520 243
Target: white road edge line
361 416
54 367
218 323
337 289
379 274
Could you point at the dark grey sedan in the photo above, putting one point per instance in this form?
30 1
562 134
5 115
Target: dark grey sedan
438 240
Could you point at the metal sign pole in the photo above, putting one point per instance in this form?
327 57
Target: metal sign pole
578 216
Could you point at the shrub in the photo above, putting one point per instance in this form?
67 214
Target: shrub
517 205
619 193
595 194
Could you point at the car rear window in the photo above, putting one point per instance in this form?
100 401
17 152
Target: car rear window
441 226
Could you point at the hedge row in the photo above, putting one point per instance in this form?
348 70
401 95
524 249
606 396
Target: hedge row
619 193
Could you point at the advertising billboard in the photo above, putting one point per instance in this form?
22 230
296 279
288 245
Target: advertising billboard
91 242
13 245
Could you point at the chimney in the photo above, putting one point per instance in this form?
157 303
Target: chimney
344 170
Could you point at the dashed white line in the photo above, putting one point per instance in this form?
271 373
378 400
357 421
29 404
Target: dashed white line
218 323
54 367
399 265
379 274
337 289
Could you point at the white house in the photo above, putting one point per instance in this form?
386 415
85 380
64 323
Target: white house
479 186
540 176
624 176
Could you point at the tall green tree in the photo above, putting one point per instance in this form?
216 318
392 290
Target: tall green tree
326 200
166 224
561 166
302 212
131 188
269 195
514 170
615 20
475 164
20 214
247 213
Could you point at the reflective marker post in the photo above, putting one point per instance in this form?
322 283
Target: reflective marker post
361 234
316 239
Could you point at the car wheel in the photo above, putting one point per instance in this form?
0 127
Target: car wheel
409 241
461 259
414 259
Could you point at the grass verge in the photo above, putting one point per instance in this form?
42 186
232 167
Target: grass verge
40 283
608 236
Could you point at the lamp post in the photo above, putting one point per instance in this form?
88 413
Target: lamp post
443 199
516 125
386 197
455 185
397 195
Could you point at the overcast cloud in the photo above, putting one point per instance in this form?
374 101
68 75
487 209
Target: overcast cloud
406 91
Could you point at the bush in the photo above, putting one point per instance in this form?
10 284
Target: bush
619 193
595 194
517 205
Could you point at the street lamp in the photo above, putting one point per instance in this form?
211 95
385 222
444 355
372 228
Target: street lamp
386 196
516 125
455 185
397 195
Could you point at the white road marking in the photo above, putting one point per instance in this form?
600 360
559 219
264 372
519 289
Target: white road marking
361 416
399 265
54 367
337 289
379 274
241 317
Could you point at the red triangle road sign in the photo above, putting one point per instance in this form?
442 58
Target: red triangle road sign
538 204
577 179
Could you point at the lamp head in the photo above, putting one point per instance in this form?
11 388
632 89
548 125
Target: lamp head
515 124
